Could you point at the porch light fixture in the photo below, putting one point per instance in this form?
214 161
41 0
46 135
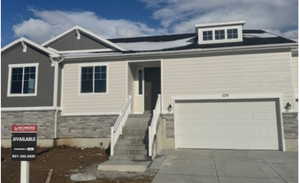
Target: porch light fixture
24 47
77 34
287 106
170 108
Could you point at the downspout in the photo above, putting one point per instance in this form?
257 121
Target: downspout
55 92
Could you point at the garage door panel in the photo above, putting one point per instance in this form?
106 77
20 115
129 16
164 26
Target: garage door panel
226 125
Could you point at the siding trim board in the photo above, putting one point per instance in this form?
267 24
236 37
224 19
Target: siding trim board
40 108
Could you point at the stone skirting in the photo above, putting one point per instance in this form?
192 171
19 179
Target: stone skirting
97 126
290 122
43 119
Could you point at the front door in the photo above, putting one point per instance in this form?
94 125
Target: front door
152 87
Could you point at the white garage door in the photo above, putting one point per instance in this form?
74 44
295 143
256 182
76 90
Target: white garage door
227 124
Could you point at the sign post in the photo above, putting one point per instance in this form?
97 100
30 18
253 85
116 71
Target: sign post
23 145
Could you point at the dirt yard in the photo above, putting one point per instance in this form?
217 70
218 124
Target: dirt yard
62 160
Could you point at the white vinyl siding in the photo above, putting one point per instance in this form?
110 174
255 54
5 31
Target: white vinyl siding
73 102
259 73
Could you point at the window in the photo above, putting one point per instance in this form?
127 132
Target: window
140 77
22 79
207 35
93 79
219 34
232 33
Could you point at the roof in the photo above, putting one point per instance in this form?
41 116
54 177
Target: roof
220 24
27 41
97 37
189 41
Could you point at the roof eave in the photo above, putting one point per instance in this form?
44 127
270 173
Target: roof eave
193 51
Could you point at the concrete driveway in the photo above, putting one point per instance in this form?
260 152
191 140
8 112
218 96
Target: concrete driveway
228 166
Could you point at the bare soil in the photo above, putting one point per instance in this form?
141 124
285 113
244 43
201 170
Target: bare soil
62 160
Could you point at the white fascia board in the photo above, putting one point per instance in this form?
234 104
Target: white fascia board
27 41
190 51
220 24
228 96
41 108
86 32
85 51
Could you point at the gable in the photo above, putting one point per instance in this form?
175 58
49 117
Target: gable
70 41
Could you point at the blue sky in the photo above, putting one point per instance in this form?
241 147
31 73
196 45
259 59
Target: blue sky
40 20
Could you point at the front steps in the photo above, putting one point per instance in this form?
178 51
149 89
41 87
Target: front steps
132 144
130 153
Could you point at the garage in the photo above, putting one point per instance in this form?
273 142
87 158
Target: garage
228 124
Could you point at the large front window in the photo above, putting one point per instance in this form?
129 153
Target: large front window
93 79
22 80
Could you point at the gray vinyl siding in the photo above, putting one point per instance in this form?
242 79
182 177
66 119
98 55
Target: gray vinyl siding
15 55
70 42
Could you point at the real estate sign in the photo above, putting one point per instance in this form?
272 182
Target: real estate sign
23 142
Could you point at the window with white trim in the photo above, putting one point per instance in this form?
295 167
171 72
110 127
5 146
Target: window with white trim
219 34
232 33
23 79
93 79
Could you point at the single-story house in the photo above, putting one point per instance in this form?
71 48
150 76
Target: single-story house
220 87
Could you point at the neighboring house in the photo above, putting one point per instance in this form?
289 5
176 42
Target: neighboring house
221 87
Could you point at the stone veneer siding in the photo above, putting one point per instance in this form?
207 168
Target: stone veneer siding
85 126
169 120
44 120
290 122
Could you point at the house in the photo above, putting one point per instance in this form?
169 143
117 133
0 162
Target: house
220 87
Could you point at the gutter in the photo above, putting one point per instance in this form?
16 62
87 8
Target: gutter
55 92
187 52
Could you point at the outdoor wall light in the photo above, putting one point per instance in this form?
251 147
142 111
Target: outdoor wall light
287 106
170 108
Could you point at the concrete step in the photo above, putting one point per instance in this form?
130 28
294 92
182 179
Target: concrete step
146 115
130 157
134 132
130 152
134 140
129 147
123 166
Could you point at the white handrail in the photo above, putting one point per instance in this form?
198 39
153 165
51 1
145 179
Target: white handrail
117 129
152 129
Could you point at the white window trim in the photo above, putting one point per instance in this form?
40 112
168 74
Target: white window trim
10 66
143 81
94 65
225 40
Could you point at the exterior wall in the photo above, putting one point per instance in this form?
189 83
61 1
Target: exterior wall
85 126
15 55
44 120
73 102
260 73
70 42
